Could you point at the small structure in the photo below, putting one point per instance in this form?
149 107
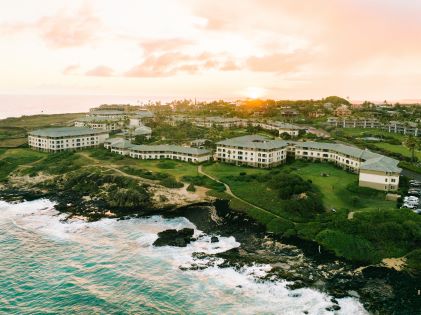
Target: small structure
343 111
100 122
198 143
64 139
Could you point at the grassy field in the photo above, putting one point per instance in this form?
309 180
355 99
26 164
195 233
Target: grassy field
398 149
13 131
39 121
11 159
177 169
333 187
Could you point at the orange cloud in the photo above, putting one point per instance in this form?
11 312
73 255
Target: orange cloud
70 69
159 45
100 71
277 62
61 30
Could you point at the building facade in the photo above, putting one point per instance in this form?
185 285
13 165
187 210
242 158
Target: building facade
375 170
253 150
406 128
64 139
100 122
164 151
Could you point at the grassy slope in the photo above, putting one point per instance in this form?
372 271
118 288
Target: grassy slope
332 188
13 130
11 159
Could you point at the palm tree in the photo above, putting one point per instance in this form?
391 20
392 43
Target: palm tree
412 143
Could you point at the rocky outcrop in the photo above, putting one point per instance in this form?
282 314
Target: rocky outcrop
179 238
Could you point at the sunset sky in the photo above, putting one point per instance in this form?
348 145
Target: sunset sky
362 49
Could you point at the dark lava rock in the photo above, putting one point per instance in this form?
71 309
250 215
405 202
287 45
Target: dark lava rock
214 239
333 308
173 237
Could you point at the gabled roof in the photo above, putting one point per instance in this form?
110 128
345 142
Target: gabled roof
65 132
382 164
254 141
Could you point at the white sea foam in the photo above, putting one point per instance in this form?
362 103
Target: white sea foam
243 287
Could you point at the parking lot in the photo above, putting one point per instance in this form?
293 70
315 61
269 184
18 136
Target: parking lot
412 199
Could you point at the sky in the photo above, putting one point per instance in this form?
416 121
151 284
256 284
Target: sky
163 49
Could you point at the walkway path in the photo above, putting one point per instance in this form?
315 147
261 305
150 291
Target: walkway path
229 192
115 168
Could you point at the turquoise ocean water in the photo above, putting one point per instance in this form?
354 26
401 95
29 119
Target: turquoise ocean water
110 267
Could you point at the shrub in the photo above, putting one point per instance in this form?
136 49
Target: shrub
191 187
171 182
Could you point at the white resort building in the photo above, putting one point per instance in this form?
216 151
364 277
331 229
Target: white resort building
281 127
100 122
375 170
162 151
67 138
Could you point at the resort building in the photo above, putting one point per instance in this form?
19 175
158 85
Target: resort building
222 122
342 111
163 151
108 113
252 150
100 122
406 128
281 127
143 131
375 170
68 138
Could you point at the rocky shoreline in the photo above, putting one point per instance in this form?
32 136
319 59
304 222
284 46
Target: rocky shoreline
302 263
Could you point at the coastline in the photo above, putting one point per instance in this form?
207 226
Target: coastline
302 263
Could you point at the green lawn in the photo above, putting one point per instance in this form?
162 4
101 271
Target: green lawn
334 187
11 159
397 149
177 169
39 121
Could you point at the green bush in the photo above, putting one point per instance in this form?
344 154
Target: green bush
171 182
167 165
191 188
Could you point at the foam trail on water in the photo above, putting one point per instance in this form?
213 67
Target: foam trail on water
125 248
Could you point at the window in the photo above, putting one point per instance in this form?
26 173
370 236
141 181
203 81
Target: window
393 180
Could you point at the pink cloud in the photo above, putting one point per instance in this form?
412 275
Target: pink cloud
62 29
70 69
100 71
277 62
159 45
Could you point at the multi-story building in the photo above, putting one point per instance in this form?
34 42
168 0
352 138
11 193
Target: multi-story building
223 122
252 150
281 127
375 170
406 128
108 113
100 122
163 151
68 138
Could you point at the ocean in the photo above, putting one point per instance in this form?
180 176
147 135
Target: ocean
48 266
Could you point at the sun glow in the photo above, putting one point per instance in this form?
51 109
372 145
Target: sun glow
254 92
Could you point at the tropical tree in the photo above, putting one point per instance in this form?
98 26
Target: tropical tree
412 144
